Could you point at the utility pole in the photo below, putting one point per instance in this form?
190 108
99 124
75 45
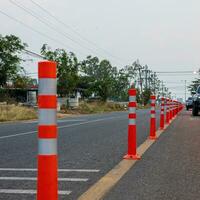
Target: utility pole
162 89
146 74
154 82
185 88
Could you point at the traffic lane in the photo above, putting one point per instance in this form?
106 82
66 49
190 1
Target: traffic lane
26 145
29 126
97 133
99 145
103 148
169 169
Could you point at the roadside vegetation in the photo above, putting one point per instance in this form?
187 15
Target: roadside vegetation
90 77
14 113
94 107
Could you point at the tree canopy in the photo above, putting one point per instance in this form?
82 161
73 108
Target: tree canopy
10 48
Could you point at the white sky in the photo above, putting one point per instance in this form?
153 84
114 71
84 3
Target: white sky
164 34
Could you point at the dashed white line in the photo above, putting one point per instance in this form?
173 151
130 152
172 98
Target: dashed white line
19 134
60 127
13 191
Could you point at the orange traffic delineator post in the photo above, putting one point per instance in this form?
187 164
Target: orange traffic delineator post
176 111
132 141
167 111
162 113
47 181
153 118
170 109
174 108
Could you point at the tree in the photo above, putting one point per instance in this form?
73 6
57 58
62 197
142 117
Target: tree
193 86
22 81
67 71
10 48
121 85
101 75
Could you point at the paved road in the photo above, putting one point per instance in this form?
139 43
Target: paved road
94 142
169 170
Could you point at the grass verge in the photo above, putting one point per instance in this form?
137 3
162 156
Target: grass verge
94 107
14 113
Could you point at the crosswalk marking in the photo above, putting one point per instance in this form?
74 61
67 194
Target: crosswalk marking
21 178
13 191
35 179
60 170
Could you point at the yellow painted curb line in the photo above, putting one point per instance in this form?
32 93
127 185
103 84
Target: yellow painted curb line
106 183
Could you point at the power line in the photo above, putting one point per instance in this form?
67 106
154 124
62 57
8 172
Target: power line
36 31
70 28
30 12
50 26
176 72
31 53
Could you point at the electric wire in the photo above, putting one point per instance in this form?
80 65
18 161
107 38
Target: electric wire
45 23
30 12
74 31
38 32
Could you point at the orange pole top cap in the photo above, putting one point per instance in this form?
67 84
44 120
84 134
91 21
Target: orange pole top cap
153 97
132 92
47 69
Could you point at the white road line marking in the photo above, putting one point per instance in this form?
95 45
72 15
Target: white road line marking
35 179
60 170
88 122
71 120
13 191
15 135
60 127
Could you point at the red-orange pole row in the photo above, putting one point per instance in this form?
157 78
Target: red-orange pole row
172 109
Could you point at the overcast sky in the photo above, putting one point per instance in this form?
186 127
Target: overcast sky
164 34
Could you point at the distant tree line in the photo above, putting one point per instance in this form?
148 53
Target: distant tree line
194 85
91 76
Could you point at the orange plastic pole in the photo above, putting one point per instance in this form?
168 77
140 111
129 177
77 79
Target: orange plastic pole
47 181
132 141
153 118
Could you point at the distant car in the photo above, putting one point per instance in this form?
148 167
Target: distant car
189 103
196 102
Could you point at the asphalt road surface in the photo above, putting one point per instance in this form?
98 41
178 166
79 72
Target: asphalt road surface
169 170
89 146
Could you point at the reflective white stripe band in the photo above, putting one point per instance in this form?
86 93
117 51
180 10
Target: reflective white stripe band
162 112
132 110
153 101
132 98
47 116
47 86
132 121
153 108
153 115
47 146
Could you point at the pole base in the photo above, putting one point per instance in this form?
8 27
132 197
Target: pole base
152 137
132 157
